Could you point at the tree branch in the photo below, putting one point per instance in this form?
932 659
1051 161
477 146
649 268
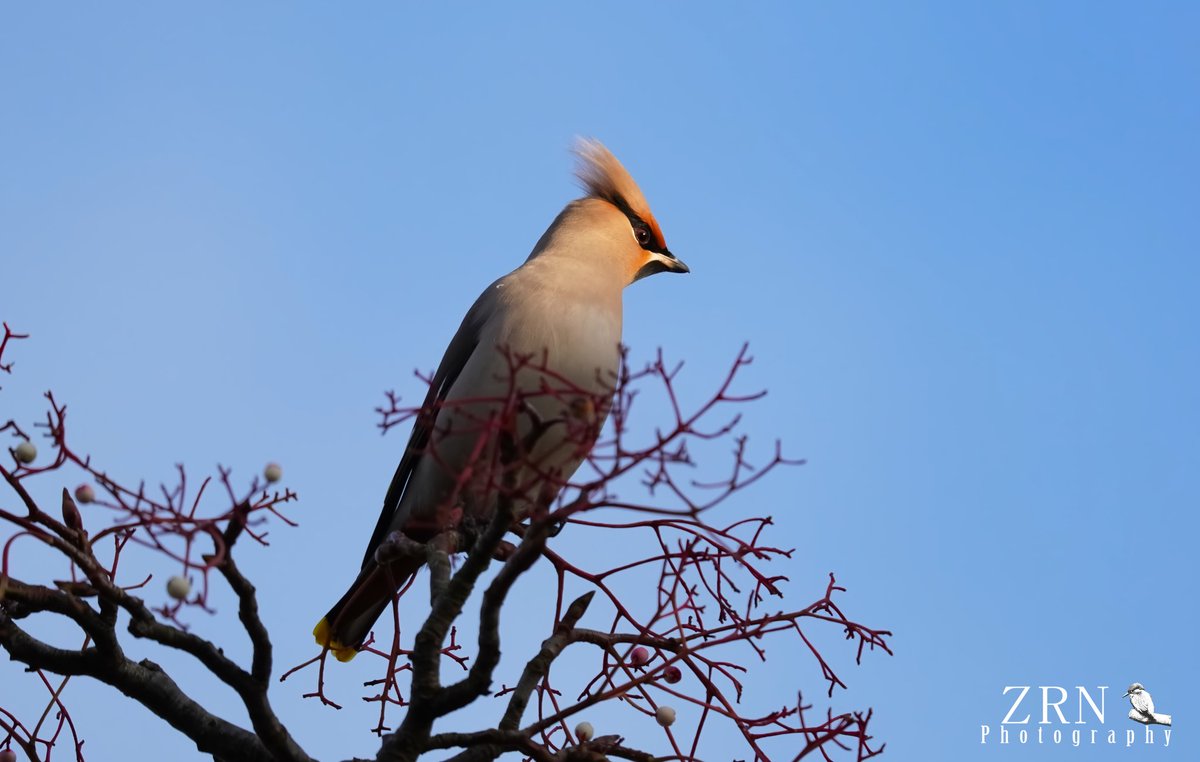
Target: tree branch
538 667
146 683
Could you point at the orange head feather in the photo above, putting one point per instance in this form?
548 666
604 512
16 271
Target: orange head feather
605 178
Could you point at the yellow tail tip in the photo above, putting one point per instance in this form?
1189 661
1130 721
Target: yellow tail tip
325 639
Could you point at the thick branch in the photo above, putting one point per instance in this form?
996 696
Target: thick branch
479 680
250 687
1149 719
146 683
409 741
539 665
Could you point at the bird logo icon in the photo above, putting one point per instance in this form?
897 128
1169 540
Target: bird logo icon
1143 707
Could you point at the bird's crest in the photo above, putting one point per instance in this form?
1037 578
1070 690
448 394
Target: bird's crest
602 176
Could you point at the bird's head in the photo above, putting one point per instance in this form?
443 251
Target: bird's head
1134 690
612 226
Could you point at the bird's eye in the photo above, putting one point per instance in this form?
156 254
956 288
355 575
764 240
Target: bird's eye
642 235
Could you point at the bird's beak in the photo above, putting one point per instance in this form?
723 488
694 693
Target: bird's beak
660 262
1126 695
671 263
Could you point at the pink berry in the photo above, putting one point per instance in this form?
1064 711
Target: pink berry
8 755
672 674
85 494
639 656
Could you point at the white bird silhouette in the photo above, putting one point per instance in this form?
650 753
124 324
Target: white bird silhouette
1140 700
1143 707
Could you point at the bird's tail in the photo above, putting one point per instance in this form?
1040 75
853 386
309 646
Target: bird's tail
348 623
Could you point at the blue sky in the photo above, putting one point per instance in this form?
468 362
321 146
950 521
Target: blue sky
962 242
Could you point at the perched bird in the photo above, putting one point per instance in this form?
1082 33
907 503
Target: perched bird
1143 707
1139 699
561 312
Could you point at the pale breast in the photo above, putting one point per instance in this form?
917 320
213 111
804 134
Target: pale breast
572 348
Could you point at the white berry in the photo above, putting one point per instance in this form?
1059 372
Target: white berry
584 731
178 587
26 452
85 494
665 716
273 473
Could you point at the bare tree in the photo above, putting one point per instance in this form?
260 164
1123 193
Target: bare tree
713 597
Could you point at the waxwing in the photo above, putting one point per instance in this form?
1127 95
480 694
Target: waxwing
549 331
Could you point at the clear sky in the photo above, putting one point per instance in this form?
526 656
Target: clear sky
963 242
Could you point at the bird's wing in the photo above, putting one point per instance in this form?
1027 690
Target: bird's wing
457 354
1144 703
